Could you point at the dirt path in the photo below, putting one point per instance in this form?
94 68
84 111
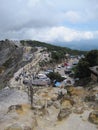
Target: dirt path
13 83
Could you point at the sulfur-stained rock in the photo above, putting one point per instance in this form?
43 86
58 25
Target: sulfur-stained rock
54 98
49 103
92 96
27 128
64 113
56 104
66 104
18 127
78 110
15 108
79 91
93 117
14 127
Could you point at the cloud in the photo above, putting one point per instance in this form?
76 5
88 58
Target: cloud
64 34
52 34
39 13
73 16
19 14
46 19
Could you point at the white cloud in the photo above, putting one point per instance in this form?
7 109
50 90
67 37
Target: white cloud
65 34
21 14
52 34
73 16
46 19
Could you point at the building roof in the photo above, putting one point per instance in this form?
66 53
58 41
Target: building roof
94 69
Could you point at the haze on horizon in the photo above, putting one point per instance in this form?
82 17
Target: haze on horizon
52 21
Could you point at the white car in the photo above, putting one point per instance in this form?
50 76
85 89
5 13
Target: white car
41 76
65 76
59 66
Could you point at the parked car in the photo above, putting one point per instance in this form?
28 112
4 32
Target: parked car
68 71
41 76
74 63
48 71
65 76
59 67
69 67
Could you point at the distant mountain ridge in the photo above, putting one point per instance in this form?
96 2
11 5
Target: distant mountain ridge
84 45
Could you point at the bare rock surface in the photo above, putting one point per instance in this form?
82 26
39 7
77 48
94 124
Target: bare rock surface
18 117
93 117
73 122
67 113
64 113
47 114
10 97
15 111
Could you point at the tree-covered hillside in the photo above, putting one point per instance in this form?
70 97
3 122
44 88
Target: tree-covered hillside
82 69
51 47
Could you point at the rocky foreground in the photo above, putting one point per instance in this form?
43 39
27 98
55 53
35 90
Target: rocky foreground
61 108
53 109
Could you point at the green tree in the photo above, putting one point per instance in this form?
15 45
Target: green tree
57 56
92 57
82 69
55 76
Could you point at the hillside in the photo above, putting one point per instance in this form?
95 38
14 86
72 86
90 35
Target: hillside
51 47
11 59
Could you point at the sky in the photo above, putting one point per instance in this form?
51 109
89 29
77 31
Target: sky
49 20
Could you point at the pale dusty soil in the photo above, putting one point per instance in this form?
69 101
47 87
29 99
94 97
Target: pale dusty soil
10 97
73 122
